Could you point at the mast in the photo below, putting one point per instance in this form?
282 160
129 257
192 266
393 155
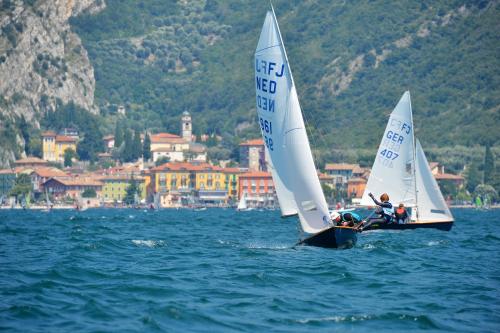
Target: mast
414 154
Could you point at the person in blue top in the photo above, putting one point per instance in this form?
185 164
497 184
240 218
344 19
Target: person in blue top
384 212
346 219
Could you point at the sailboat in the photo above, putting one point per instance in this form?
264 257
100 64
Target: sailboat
242 204
48 204
285 137
401 170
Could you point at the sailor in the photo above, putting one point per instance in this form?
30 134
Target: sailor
346 219
401 214
384 213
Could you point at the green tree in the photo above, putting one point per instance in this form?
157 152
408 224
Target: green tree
137 146
127 154
473 177
486 192
162 160
118 135
69 154
489 166
131 192
146 148
22 186
89 193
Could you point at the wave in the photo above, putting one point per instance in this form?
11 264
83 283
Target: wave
148 243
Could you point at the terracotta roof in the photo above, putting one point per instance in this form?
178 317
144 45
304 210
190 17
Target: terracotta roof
7 171
358 170
49 172
164 136
186 166
121 177
164 150
48 133
341 166
448 176
77 181
108 137
30 160
357 180
324 176
232 170
256 174
253 142
64 138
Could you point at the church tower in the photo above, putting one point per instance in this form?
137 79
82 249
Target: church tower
187 126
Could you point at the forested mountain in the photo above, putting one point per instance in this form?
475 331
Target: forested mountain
352 60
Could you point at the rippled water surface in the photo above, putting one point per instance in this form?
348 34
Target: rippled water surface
222 271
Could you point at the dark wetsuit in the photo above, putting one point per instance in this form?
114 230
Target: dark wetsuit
351 218
384 212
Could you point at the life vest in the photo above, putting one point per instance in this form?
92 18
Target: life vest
400 211
388 212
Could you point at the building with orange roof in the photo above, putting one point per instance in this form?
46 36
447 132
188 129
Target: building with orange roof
40 175
30 162
174 180
253 155
258 189
341 172
72 187
55 145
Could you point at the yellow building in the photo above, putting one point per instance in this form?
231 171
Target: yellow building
114 187
54 146
207 182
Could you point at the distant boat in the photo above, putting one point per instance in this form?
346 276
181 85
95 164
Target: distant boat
401 170
284 133
242 204
48 204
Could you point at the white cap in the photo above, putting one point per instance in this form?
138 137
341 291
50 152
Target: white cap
334 214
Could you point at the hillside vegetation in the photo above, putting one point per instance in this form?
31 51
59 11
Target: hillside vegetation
352 60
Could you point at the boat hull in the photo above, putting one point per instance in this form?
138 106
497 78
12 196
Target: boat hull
444 225
334 237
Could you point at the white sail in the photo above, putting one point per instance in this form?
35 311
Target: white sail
431 204
242 205
285 196
283 129
393 169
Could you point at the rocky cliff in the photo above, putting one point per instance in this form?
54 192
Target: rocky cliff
41 60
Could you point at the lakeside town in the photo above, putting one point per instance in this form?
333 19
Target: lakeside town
173 171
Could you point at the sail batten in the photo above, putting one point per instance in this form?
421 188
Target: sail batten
283 130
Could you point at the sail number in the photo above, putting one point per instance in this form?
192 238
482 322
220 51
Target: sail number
389 154
266 126
267 129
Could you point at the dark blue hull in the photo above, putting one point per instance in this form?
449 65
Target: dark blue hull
445 226
334 237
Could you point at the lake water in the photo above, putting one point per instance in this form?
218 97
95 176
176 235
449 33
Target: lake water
223 271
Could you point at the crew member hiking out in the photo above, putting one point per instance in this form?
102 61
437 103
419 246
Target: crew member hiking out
346 219
384 212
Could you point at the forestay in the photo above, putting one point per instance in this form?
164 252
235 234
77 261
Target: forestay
392 171
283 129
431 204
